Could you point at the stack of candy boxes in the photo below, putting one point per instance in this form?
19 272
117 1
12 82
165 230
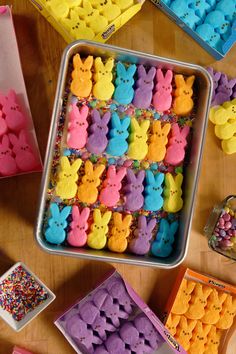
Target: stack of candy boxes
200 311
87 19
112 319
211 20
223 111
119 181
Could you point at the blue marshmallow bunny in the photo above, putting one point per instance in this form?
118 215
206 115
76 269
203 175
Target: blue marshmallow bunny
55 232
185 13
228 7
124 91
207 33
153 200
162 246
117 145
217 20
201 7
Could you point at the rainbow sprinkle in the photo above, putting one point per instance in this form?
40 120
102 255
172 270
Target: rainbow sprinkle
20 293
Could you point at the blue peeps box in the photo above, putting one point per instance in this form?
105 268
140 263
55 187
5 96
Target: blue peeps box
212 23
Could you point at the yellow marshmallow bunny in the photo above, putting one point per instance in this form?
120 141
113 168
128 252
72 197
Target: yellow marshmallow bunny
173 201
97 238
92 17
60 8
103 88
138 147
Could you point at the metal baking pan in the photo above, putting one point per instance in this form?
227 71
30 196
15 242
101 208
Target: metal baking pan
203 85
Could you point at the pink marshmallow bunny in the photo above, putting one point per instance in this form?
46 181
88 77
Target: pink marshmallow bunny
3 124
77 128
77 236
143 93
110 194
162 99
7 162
175 152
15 119
25 159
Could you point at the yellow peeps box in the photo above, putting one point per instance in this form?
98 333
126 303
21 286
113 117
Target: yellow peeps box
94 20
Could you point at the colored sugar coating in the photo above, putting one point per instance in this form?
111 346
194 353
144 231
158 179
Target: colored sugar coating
119 162
20 293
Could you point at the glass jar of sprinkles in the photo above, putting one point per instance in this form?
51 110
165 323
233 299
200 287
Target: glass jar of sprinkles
221 228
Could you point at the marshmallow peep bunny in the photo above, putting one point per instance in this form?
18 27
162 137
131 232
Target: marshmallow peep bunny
162 98
183 102
55 232
143 93
77 128
7 162
140 244
77 236
110 193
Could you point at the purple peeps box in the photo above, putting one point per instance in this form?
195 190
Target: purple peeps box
101 321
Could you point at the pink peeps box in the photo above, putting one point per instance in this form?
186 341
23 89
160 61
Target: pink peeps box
19 152
18 350
87 323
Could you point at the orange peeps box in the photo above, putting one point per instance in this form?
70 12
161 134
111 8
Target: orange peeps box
200 313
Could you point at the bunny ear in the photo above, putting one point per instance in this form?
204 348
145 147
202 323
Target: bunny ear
97 216
127 220
22 137
141 71
75 212
87 5
151 225
109 64
111 172
98 63
169 76
174 227
65 213
84 111
164 226
120 69
130 175
145 125
135 125
159 75
217 76
166 128
121 173
88 63
151 73
190 81
224 79
169 180
175 129
150 177
106 117
77 61
54 209
12 95
13 139
140 176
205 328
222 298
131 70
88 167
106 217
179 180
156 127
5 141
96 116
65 163
85 214
125 122
76 165
117 217
142 222
179 81
159 178
99 170
116 122
185 131
232 83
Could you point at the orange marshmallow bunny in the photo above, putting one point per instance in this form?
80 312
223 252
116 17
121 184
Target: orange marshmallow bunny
198 302
87 191
183 297
81 85
157 147
227 314
119 233
213 341
183 103
214 307
172 323
184 332
199 338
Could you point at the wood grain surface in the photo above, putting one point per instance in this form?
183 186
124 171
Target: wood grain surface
40 49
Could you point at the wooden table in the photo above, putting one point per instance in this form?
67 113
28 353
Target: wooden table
40 49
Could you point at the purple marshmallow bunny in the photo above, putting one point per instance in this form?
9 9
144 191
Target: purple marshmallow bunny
143 93
91 315
115 345
130 335
215 75
225 90
133 190
146 328
140 245
101 350
97 140
81 334
117 290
